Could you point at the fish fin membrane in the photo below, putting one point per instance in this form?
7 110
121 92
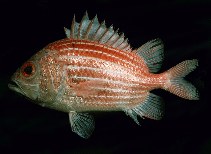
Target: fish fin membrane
82 124
92 30
152 107
152 53
176 83
67 32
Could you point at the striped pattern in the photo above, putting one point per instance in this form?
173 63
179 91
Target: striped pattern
94 68
91 49
103 76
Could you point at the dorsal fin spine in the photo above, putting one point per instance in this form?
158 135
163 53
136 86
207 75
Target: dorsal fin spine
106 35
89 29
118 41
67 32
98 32
94 28
127 48
72 28
119 46
112 39
123 44
103 34
83 26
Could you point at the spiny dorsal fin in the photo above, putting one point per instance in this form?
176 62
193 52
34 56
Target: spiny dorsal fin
107 35
83 26
74 29
67 32
119 41
98 32
93 28
152 53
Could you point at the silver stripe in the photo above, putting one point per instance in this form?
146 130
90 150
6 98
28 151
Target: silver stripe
121 97
105 47
114 73
118 90
105 63
107 80
102 46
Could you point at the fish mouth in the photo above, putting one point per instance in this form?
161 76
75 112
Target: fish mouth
13 85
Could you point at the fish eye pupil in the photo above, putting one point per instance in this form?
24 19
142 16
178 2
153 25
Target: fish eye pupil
28 70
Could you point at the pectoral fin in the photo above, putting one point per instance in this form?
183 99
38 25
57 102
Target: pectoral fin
82 124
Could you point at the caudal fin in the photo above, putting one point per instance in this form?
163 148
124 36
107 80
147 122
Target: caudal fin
176 83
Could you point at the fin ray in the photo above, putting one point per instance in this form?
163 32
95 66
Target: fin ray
152 107
67 32
101 30
177 85
152 53
93 28
82 124
113 38
94 31
83 26
118 41
109 32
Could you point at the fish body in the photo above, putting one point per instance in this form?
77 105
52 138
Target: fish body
105 78
95 69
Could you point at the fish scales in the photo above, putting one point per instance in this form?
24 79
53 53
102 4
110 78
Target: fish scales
100 75
95 69
90 72
104 52
87 61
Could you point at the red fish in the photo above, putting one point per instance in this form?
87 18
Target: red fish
95 69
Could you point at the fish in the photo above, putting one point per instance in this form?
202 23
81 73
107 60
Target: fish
94 68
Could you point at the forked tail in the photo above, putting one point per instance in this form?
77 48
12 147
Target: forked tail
176 83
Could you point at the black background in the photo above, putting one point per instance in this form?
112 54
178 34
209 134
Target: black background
184 27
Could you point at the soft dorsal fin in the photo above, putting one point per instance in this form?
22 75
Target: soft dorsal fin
152 53
98 32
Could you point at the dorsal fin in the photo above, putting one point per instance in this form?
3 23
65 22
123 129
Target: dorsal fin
98 32
67 32
74 29
83 26
152 53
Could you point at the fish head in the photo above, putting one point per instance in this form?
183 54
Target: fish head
26 80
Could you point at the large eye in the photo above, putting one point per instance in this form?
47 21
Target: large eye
28 69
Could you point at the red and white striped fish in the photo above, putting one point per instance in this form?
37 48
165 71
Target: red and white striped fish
95 69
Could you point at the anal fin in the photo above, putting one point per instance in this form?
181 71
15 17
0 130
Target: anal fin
82 123
152 108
